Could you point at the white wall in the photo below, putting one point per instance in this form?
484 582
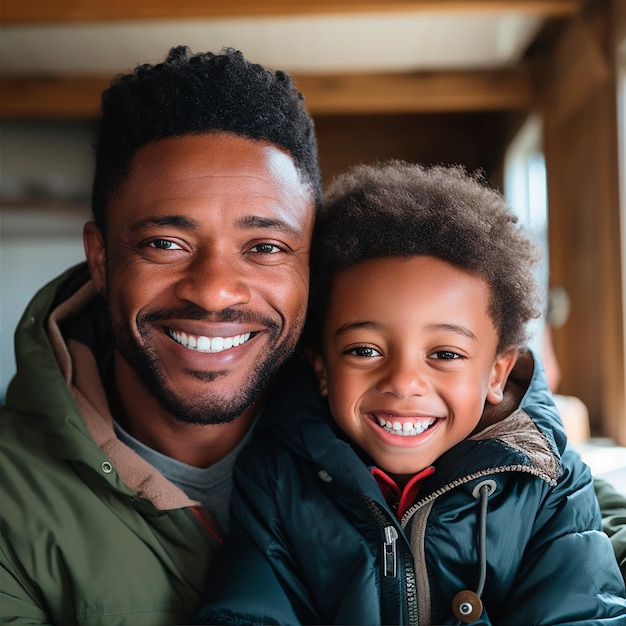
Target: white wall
45 180
28 260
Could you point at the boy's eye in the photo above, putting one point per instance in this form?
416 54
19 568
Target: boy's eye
363 351
446 355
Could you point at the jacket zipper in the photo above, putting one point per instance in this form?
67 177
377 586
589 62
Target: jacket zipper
396 568
390 557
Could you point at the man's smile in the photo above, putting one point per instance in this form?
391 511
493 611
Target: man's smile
201 343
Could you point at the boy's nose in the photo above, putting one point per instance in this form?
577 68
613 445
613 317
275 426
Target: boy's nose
403 379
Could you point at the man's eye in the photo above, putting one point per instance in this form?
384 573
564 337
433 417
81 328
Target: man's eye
363 351
266 248
164 244
446 355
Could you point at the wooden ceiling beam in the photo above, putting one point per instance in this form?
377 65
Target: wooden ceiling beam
424 92
69 97
421 92
28 12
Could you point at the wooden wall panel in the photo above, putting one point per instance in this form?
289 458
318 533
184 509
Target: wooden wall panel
475 140
580 121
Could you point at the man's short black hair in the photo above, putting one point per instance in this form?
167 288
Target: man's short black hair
196 94
402 209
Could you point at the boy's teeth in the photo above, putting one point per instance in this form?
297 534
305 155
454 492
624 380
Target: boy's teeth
207 344
405 429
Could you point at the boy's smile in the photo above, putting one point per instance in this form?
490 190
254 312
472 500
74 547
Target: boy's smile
404 427
409 358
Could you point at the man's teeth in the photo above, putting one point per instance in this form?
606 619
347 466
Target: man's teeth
407 428
207 344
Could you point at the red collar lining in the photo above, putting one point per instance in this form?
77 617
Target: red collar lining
392 491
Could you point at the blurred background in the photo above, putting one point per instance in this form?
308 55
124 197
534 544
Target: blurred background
530 92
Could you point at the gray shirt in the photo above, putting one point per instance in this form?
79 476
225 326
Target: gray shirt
211 486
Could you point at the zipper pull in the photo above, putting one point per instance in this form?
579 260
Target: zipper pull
389 551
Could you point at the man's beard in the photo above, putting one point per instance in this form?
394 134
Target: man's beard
216 409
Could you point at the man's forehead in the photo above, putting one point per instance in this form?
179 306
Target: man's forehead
189 158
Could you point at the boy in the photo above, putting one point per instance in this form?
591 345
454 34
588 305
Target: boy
425 500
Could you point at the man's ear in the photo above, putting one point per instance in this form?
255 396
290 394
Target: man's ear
499 374
317 362
93 242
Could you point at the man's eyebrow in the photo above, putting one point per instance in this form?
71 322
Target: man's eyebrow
256 221
178 221
185 223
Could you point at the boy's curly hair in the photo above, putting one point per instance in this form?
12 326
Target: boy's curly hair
195 94
402 209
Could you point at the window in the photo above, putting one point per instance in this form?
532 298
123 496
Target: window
526 192
621 125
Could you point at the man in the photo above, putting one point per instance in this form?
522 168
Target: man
140 374
139 379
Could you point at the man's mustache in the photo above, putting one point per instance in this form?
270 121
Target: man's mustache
196 313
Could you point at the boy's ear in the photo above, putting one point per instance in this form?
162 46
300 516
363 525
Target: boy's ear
500 372
93 242
317 362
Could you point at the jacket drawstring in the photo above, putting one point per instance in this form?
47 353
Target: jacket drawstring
467 605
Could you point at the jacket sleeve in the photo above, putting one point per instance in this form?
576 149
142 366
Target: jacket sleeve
17 600
613 509
568 572
254 579
243 589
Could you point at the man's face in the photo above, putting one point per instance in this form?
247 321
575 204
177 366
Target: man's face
205 270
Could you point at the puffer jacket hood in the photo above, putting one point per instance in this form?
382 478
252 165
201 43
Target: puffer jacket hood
32 345
41 390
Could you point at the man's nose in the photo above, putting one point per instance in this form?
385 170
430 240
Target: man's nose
404 377
214 281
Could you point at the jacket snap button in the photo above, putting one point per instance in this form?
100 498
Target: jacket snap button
325 476
467 606
107 468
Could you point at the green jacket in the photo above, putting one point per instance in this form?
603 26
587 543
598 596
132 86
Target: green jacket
613 507
89 532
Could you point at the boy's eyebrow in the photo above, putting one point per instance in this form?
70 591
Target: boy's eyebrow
432 328
350 326
452 328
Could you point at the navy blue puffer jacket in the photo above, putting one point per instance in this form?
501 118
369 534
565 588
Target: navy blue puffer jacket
509 520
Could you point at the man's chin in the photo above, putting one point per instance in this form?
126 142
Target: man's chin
213 402
211 411
206 418
208 377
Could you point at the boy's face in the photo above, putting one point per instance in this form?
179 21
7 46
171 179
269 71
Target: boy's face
409 358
